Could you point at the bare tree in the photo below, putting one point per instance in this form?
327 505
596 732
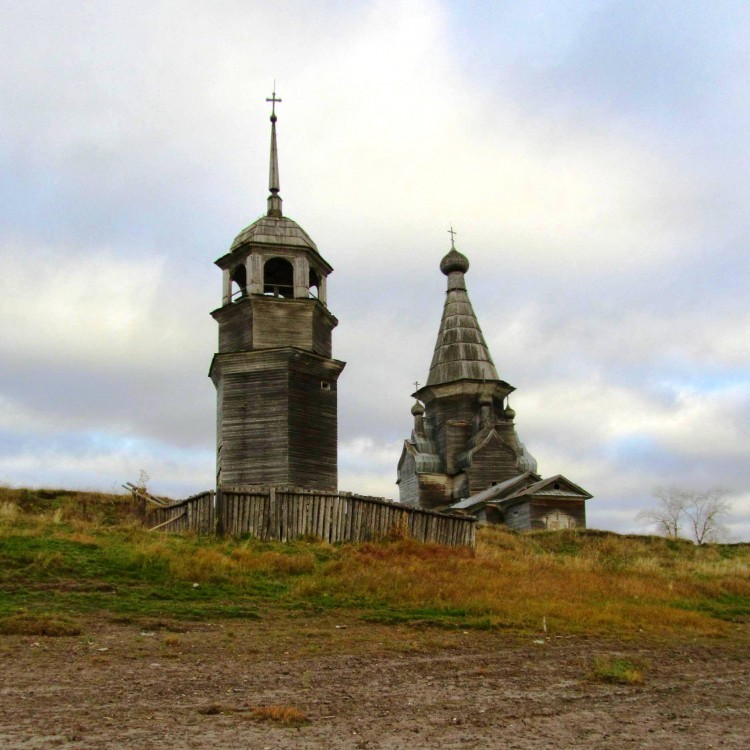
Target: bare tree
702 513
705 514
668 513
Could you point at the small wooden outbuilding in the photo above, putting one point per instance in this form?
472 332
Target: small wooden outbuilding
528 502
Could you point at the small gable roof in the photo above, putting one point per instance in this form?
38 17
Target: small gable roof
496 491
556 486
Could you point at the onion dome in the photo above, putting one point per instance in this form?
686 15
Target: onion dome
509 413
417 409
454 261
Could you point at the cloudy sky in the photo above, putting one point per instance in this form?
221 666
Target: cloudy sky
593 157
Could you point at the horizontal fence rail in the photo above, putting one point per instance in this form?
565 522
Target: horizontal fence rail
287 513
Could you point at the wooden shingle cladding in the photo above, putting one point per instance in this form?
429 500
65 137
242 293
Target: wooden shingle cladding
277 418
461 352
543 513
493 460
276 382
313 421
453 418
265 322
275 376
408 481
433 490
422 489
479 461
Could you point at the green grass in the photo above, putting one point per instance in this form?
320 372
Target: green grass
21 624
66 565
617 671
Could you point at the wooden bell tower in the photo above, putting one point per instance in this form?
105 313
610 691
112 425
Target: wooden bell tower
275 378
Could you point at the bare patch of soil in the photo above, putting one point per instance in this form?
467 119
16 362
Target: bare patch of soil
357 685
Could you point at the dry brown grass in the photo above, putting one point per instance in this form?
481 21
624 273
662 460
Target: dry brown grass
576 582
273 562
601 586
279 714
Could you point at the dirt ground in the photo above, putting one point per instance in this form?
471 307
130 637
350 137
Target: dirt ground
165 685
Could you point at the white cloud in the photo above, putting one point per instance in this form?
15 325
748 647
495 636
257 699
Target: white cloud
96 308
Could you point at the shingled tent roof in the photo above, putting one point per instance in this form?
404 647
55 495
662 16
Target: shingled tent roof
460 352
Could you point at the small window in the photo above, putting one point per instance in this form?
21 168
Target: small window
325 386
278 278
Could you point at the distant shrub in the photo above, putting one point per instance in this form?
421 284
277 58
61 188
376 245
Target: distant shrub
618 671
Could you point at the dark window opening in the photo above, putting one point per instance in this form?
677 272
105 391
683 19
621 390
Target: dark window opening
325 386
278 278
239 282
314 284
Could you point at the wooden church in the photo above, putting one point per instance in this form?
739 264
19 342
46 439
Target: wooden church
276 389
274 373
464 453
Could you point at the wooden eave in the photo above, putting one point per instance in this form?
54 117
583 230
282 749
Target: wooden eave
278 300
488 495
462 387
563 480
218 357
541 489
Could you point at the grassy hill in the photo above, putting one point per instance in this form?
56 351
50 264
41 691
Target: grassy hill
67 558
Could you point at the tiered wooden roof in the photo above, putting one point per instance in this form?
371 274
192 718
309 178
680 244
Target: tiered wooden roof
461 352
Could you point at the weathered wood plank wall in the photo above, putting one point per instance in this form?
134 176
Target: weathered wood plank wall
287 513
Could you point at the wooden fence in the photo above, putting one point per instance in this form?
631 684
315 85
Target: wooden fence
286 513
196 513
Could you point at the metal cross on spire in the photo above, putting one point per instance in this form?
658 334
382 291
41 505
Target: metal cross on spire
274 200
452 232
416 385
273 101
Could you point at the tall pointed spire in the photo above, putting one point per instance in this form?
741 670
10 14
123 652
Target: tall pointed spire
274 200
461 352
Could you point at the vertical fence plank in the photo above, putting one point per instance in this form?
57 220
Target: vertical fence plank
288 513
